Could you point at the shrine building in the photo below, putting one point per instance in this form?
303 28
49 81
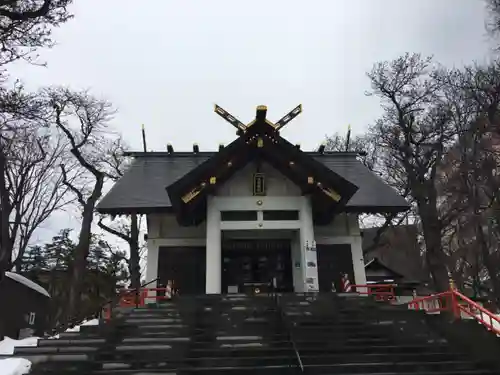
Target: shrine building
256 210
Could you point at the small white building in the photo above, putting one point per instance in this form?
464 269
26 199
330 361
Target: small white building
256 210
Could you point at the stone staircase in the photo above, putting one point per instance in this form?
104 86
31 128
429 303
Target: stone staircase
356 335
238 334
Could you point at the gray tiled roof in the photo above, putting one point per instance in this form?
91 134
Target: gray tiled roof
143 185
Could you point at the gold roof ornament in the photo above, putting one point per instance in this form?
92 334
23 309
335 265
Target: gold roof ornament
332 194
260 116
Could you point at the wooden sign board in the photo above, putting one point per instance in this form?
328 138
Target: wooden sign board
259 184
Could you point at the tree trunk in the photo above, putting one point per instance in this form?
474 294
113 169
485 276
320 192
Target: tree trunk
80 262
434 256
487 261
6 245
82 249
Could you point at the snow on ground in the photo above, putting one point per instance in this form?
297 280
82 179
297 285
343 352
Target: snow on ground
92 322
20 366
7 345
14 366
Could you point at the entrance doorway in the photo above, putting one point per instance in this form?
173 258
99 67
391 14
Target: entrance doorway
251 265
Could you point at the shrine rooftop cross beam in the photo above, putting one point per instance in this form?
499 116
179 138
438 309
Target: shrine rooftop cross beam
260 116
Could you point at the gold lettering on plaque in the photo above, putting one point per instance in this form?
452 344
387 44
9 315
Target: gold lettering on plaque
259 184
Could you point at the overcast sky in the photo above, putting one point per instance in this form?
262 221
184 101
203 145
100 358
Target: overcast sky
166 63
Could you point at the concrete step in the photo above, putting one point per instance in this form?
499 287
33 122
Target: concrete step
438 367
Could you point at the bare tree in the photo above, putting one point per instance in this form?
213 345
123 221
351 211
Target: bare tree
369 154
493 23
35 183
21 114
83 120
128 230
414 134
26 25
471 186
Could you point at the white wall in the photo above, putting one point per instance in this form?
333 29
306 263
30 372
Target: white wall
241 184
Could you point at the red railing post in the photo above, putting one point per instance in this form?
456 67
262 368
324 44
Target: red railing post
455 308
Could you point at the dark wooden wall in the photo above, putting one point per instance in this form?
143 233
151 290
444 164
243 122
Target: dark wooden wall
184 265
334 260
17 301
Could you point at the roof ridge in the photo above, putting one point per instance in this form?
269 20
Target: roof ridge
210 153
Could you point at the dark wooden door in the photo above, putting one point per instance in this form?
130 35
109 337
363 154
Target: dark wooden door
247 263
333 261
185 266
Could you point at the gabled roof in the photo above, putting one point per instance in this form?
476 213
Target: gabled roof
142 188
181 182
260 142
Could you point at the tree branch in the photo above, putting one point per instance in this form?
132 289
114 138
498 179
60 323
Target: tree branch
71 187
113 231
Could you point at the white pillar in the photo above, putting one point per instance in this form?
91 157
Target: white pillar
358 262
213 246
309 272
152 269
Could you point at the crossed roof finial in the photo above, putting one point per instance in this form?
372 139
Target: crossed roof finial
259 116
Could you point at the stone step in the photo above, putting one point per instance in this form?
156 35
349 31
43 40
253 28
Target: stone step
229 370
339 353
438 367
279 359
149 321
71 342
272 370
48 350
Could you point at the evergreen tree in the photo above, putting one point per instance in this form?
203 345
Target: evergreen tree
34 259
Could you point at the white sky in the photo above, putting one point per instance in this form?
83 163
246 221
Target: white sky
165 63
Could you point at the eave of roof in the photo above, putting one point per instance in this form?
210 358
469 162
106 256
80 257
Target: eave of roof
142 188
377 262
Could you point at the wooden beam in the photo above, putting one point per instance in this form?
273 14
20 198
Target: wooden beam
230 118
288 117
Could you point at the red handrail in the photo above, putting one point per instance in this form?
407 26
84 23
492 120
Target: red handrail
451 300
443 300
381 292
457 303
129 300
479 317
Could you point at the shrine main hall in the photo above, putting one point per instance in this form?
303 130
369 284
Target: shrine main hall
259 210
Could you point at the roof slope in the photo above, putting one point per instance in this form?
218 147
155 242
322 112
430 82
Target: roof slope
142 188
27 282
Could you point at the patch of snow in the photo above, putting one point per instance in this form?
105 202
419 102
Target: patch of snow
14 366
91 322
30 284
7 345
